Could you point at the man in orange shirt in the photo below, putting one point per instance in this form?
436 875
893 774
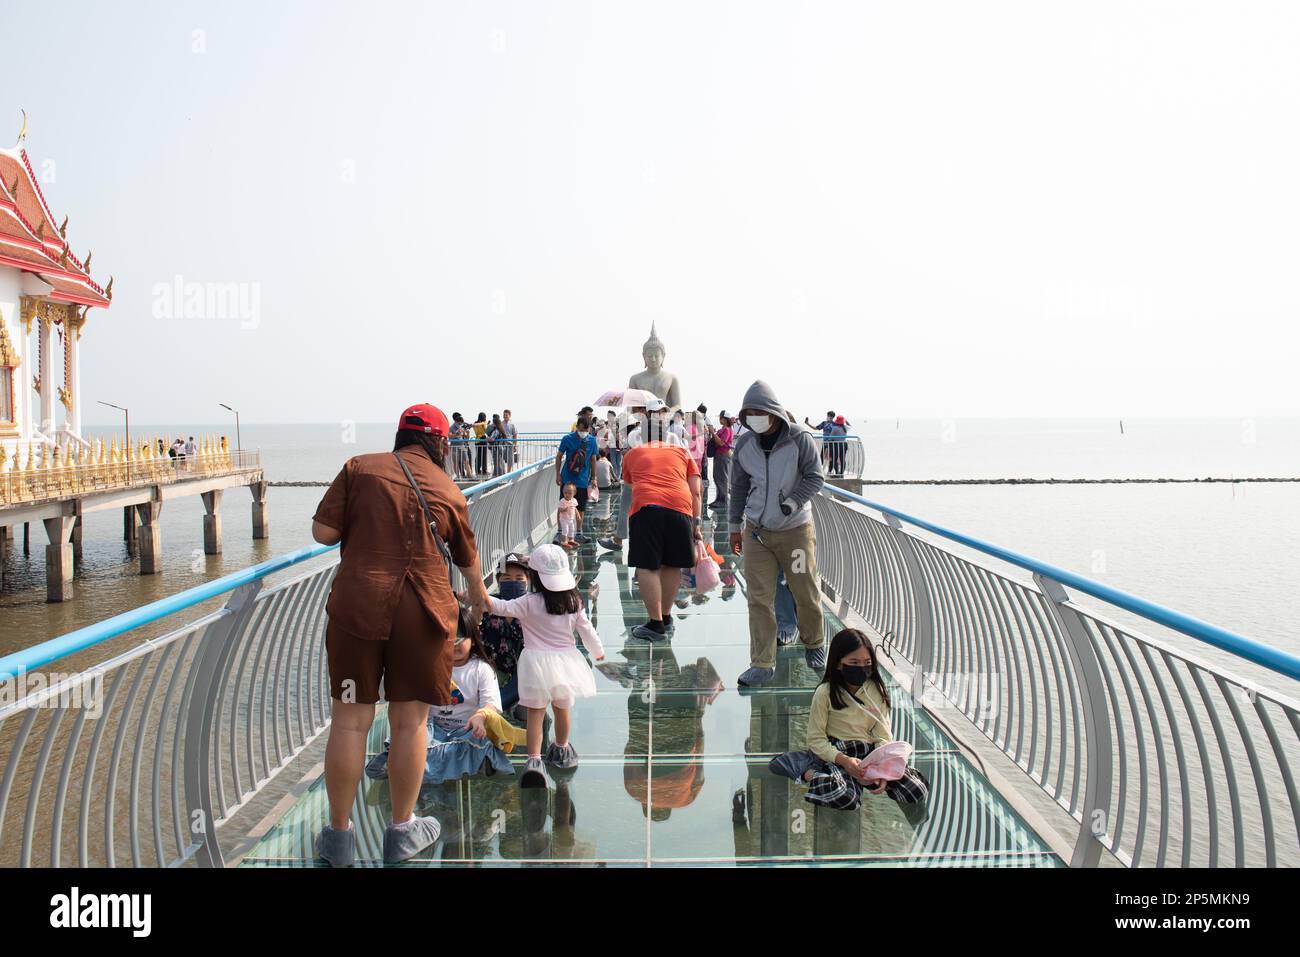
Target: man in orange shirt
664 523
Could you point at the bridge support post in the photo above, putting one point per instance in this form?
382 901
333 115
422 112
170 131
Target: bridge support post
212 522
58 558
149 538
261 522
130 529
1095 811
76 531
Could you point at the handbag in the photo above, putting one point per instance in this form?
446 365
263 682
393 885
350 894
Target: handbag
706 570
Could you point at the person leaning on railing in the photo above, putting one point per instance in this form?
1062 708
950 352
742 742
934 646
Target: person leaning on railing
392 615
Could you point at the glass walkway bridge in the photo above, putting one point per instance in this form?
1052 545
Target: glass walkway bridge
1059 722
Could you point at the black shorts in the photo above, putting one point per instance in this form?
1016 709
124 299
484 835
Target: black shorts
579 495
660 536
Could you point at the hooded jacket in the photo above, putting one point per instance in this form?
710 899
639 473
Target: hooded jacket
790 474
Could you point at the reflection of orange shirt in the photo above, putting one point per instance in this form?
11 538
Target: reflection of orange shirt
659 474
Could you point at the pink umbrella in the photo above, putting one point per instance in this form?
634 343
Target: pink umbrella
624 398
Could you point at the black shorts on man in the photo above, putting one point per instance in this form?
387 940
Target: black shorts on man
660 537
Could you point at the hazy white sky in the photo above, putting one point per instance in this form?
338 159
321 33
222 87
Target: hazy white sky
947 209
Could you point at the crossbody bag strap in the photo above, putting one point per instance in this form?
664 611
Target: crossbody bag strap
428 515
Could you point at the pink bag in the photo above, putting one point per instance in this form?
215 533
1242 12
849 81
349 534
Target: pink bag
887 762
706 570
593 493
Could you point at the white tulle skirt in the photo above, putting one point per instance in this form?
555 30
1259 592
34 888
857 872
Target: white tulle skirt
554 677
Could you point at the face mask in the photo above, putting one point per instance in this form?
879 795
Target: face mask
759 423
856 674
582 434
508 590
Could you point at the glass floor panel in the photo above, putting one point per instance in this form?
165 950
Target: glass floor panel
674 769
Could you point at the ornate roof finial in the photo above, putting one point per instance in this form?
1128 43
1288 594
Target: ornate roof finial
40 230
22 134
63 230
63 258
86 264
108 290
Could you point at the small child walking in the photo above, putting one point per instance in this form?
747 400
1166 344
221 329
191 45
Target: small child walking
552 671
566 516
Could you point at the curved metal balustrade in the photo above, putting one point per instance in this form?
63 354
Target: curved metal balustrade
141 759
1161 755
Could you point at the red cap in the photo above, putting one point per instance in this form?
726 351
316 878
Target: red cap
424 418
839 420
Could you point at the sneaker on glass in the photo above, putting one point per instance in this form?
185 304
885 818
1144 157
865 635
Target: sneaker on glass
793 764
337 848
816 658
404 841
534 775
755 677
562 757
646 633
610 544
787 637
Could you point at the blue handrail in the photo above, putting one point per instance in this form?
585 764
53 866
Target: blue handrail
1275 659
46 652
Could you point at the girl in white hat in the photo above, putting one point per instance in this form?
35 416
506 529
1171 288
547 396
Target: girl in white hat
552 671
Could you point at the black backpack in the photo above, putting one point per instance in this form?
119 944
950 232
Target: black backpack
578 460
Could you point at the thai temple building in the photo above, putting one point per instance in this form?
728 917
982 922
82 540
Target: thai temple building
46 294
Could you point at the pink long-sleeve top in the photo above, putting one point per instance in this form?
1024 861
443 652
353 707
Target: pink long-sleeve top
544 631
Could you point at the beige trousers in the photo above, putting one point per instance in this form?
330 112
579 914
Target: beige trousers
793 551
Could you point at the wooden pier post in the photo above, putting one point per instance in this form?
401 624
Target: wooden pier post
27 538
212 522
58 558
149 538
261 523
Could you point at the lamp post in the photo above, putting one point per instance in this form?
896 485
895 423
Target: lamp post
128 435
239 445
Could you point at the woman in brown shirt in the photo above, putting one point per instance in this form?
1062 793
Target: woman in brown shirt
391 615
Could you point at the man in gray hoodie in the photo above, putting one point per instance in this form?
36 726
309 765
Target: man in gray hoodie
776 470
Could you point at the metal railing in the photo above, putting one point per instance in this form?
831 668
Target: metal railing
474 460
35 480
842 456
1162 756
140 760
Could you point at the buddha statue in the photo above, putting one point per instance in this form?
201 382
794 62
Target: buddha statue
655 378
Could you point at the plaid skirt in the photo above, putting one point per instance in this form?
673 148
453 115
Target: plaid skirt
831 786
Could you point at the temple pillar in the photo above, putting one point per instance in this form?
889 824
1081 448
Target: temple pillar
261 523
212 522
130 527
73 332
49 388
149 538
58 558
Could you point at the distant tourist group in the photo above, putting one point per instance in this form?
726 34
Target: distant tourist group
482 448
470 676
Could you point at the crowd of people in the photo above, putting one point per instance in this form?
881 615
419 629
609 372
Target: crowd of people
483 448
471 676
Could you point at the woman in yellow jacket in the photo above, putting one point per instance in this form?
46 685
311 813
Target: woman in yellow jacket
848 719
